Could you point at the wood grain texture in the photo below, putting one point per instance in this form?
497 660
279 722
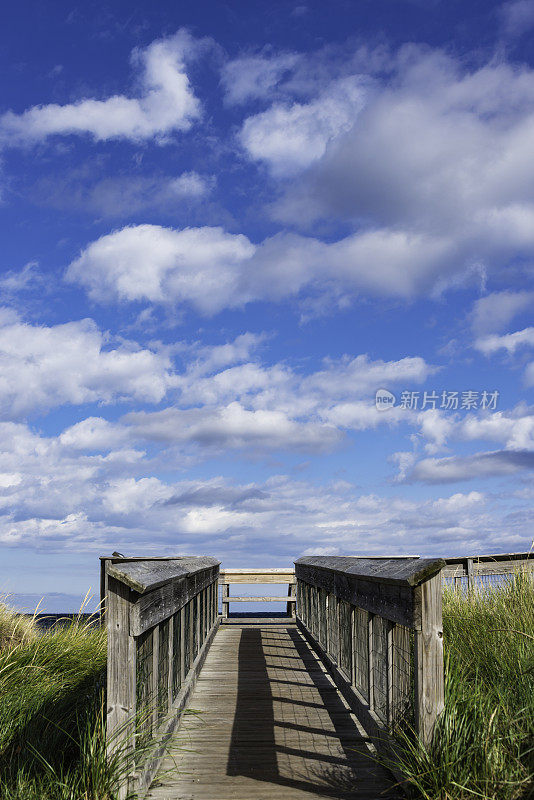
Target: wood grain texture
429 676
147 575
159 604
269 724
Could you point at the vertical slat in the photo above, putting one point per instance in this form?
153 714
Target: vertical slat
360 650
380 667
183 645
371 661
170 662
401 675
155 676
121 688
429 680
177 654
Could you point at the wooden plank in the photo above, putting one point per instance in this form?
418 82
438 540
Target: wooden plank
246 743
291 598
144 778
258 576
429 678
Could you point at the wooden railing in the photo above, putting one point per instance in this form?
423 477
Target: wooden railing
161 615
377 623
478 569
257 576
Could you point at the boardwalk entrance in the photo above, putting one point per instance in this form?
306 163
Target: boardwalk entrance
271 726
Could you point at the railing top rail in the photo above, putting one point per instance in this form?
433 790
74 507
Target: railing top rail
257 570
492 557
405 571
149 574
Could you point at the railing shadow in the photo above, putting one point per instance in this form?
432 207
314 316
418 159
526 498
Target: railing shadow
326 760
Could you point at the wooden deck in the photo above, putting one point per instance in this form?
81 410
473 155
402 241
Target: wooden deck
271 726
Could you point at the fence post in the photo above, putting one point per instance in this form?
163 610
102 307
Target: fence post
429 679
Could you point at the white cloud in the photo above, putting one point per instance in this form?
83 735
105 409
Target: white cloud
254 77
190 185
149 262
233 426
66 501
212 269
493 313
509 342
166 103
46 366
291 137
474 467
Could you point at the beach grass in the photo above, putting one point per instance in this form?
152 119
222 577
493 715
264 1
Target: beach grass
483 742
52 720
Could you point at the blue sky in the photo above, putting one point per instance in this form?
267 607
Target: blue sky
225 227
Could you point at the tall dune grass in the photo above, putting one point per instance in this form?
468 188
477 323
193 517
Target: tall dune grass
52 732
484 740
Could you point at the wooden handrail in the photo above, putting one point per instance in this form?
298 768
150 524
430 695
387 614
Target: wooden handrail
161 615
377 623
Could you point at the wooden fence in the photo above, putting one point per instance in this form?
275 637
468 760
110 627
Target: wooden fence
378 625
161 615
257 576
478 569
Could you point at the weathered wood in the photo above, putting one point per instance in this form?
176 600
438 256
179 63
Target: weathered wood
257 575
147 575
470 575
159 604
121 687
496 564
291 598
225 600
408 571
392 601
257 737
429 679
145 777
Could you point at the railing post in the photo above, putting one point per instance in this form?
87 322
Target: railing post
429 678
121 680
225 599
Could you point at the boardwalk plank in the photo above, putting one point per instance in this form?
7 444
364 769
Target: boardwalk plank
270 726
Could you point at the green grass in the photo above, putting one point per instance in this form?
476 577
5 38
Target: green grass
52 721
484 740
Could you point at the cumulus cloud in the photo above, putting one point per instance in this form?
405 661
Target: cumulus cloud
291 137
46 366
509 342
148 262
67 500
429 162
166 102
211 269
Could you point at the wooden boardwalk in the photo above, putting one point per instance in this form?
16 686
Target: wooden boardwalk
271 726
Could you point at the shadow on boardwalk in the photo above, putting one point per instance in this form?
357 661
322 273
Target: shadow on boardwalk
273 727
